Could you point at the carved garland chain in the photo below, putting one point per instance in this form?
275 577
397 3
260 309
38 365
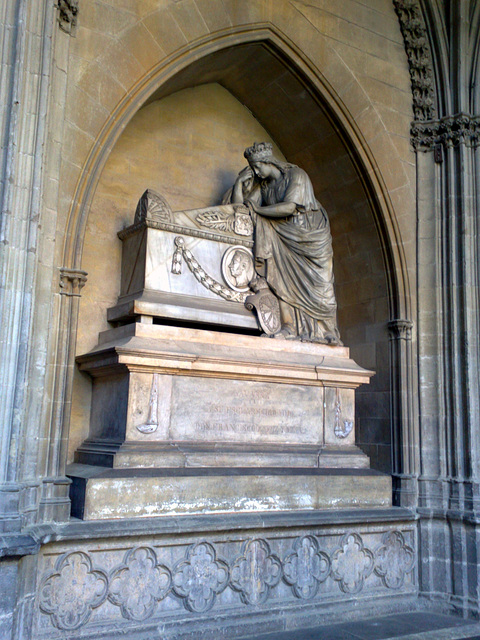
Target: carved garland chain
201 275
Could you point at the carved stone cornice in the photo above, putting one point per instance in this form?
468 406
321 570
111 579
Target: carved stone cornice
72 281
449 131
67 15
400 329
419 56
183 230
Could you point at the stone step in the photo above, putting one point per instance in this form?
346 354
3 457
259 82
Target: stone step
419 625
103 493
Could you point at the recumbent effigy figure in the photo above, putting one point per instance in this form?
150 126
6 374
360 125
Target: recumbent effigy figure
293 244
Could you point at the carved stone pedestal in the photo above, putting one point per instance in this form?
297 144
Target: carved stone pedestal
219 577
194 421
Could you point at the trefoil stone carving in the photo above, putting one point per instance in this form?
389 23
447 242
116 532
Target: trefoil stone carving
200 577
306 568
352 563
200 274
139 584
151 424
71 592
255 572
394 559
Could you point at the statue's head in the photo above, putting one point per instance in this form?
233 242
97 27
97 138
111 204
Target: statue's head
261 159
259 152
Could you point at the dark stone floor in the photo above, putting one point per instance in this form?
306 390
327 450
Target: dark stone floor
404 626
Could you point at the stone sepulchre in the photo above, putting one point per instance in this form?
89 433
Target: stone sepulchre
224 386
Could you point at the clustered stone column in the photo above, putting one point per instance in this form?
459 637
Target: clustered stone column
448 174
55 501
405 446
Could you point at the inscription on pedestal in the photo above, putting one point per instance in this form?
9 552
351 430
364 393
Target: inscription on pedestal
240 411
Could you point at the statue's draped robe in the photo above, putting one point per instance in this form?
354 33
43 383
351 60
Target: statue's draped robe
297 252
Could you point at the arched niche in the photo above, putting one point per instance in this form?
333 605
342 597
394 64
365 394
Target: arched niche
287 108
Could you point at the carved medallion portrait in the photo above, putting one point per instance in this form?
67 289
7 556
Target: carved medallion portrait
237 268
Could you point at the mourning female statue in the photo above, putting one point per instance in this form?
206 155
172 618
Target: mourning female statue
293 245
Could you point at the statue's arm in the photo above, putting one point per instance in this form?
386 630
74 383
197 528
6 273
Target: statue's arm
278 210
246 175
237 193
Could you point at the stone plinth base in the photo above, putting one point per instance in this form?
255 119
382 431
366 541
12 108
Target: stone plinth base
224 576
99 493
166 396
207 454
192 421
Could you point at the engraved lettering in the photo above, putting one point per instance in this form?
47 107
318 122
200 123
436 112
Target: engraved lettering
245 427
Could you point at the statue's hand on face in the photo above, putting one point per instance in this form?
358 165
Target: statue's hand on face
245 175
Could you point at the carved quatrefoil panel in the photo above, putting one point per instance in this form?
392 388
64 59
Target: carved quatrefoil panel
306 567
394 560
352 563
72 591
200 577
139 583
255 572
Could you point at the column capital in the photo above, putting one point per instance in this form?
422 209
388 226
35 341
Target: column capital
72 281
450 131
400 329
